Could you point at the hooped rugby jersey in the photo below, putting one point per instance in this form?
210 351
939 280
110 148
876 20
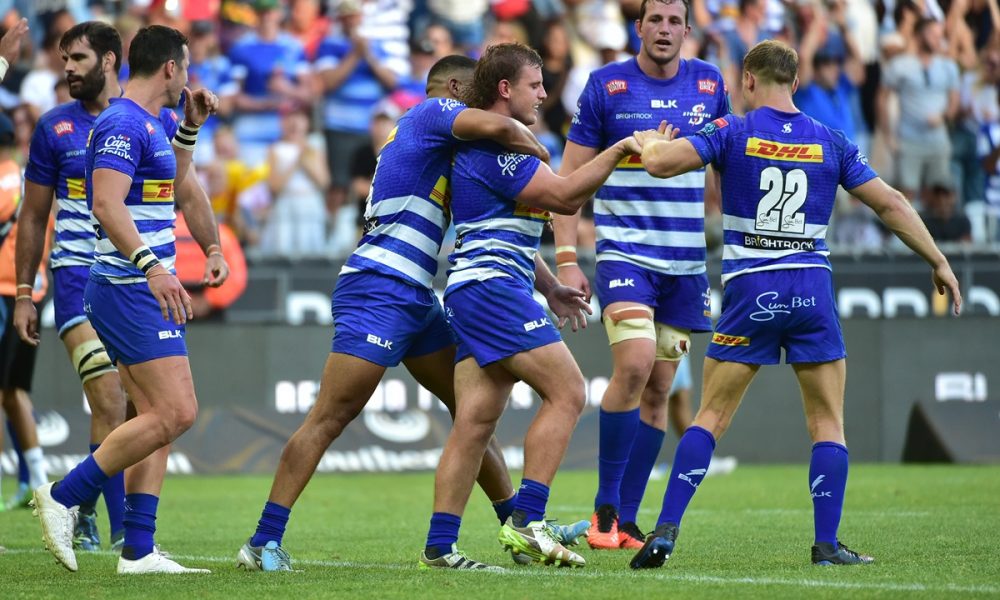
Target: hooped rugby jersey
407 211
780 173
657 224
496 236
57 159
129 140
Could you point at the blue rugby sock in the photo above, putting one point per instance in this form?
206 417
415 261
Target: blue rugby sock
645 449
271 526
531 500
617 432
23 475
140 525
827 483
442 534
79 484
87 506
694 453
505 508
114 499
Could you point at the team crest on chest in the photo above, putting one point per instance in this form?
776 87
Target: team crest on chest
616 86
698 114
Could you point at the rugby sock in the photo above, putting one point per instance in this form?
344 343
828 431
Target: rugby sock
22 465
645 449
505 508
140 525
615 445
442 534
79 484
694 453
827 482
114 498
37 471
87 507
531 500
272 524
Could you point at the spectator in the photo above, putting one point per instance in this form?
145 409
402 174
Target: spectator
38 90
210 70
296 222
989 153
308 26
465 19
271 73
365 159
927 85
355 74
209 302
830 72
556 67
227 177
945 223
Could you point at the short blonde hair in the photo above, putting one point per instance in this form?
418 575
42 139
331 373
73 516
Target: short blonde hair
772 61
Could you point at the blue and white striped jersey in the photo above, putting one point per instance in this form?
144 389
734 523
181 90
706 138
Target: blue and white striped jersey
408 205
780 173
495 235
129 140
656 224
57 159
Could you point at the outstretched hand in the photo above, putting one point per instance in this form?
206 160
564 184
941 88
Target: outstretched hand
945 280
10 43
664 133
569 304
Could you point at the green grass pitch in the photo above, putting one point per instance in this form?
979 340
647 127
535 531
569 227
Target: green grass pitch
933 531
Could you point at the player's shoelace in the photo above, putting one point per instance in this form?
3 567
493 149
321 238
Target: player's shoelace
279 555
632 530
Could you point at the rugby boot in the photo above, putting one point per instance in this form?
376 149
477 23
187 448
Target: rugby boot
826 554
603 532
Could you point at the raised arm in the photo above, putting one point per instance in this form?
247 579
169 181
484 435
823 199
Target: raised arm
475 124
565 195
898 215
32 222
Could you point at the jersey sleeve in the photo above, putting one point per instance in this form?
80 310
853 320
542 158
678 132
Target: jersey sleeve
438 118
43 167
854 168
170 121
119 143
506 173
712 140
587 128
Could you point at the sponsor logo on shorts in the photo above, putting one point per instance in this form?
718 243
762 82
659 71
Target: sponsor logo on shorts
374 339
771 242
770 307
616 86
809 153
170 335
617 283
707 86
63 128
536 324
723 339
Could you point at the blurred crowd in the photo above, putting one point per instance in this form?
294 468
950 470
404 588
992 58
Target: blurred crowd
311 88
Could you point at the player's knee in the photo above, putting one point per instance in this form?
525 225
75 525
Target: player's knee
672 343
91 360
181 419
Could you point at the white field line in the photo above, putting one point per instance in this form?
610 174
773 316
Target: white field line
580 509
623 574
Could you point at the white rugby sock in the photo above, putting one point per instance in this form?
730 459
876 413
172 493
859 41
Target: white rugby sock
37 469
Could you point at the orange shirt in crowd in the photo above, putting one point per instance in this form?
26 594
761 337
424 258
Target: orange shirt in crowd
10 197
191 264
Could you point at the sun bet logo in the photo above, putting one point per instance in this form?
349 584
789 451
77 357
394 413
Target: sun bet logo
616 86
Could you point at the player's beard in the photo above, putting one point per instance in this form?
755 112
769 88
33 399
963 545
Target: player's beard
91 84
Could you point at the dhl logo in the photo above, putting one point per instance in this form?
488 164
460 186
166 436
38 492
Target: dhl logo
811 153
75 189
632 161
730 340
530 212
158 190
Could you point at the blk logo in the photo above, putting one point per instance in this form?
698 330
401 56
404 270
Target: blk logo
655 103
168 335
536 324
617 283
374 339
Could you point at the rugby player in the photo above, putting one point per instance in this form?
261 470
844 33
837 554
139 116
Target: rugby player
650 276
132 297
384 308
780 170
500 205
